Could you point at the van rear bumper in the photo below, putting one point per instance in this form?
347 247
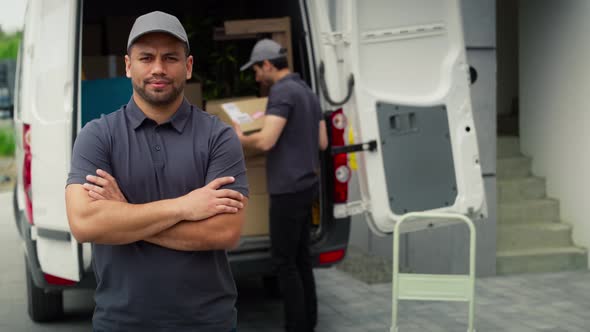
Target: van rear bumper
248 260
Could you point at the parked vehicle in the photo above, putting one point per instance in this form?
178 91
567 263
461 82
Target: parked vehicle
397 68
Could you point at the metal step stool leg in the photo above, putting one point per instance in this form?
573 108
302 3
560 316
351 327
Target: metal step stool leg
433 287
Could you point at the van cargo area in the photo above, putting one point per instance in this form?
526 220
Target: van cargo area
221 36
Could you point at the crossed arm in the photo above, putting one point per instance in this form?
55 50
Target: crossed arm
207 218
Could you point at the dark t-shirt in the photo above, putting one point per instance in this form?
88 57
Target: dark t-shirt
142 286
293 163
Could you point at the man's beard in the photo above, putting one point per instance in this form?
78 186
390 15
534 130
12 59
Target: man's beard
158 99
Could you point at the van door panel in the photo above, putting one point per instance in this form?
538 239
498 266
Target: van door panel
411 95
417 157
51 134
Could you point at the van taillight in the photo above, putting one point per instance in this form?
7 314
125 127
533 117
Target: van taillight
340 161
331 257
27 171
53 280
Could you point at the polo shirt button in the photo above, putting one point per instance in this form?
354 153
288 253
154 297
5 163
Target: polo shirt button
157 147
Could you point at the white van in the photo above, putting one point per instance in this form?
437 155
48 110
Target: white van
392 77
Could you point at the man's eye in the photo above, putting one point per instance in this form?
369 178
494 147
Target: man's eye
145 58
171 58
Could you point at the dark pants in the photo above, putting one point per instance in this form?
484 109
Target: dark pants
290 219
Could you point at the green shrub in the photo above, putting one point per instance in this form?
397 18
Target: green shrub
9 46
6 142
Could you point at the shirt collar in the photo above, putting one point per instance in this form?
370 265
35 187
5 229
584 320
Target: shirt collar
290 76
178 119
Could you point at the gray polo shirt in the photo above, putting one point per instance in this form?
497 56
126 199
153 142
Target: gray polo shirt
293 163
145 287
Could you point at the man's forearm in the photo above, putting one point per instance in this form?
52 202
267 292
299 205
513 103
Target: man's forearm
112 222
220 232
252 141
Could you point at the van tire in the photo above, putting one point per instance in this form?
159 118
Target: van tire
42 306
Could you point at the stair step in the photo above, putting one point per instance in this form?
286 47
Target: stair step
541 260
517 189
513 167
528 211
508 146
533 235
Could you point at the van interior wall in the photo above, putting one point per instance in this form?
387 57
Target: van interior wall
199 19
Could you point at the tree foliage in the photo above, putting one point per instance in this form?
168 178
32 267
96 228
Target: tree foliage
9 45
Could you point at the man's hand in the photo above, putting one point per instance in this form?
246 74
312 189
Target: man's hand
208 201
103 186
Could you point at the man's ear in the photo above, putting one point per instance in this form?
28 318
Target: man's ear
189 67
127 66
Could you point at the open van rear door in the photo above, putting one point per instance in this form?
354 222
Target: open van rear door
403 65
54 49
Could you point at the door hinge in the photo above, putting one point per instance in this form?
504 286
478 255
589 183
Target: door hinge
338 40
350 209
335 38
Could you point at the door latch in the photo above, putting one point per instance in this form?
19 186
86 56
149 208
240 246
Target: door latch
368 146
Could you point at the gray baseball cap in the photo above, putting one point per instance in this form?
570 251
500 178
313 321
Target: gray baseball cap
265 49
157 22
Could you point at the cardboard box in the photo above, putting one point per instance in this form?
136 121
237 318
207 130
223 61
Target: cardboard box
214 106
248 113
256 161
92 39
256 222
279 28
193 93
242 107
254 26
256 180
96 67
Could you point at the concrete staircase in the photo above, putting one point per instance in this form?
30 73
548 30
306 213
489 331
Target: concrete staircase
530 236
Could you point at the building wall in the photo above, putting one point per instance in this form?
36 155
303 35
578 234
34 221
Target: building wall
444 250
554 91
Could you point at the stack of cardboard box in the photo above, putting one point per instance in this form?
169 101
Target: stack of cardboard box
249 113
257 211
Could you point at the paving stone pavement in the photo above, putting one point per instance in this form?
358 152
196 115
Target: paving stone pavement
556 302
542 302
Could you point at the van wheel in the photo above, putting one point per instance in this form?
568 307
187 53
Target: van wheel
271 286
42 306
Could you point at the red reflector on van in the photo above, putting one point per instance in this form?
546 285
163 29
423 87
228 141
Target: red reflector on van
27 172
332 256
53 280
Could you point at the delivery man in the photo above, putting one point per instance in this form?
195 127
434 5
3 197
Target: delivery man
293 133
160 231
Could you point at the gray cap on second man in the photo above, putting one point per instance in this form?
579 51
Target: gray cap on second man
157 22
264 49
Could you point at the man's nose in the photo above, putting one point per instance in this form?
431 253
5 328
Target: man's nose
158 67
